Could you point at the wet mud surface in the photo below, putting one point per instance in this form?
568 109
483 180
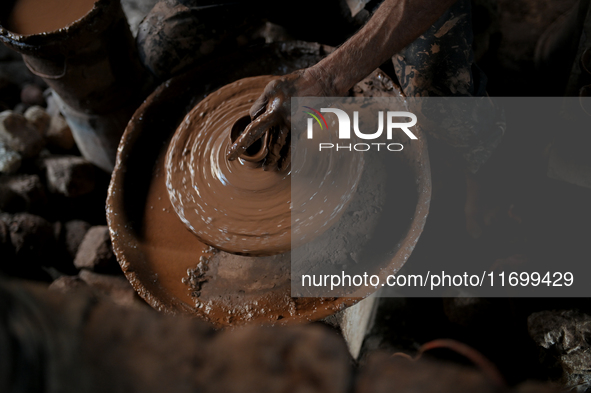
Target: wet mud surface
168 266
236 206
34 16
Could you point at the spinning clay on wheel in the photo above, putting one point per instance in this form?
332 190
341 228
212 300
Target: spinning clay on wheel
237 206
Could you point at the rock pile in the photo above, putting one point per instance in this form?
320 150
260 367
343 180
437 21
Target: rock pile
52 200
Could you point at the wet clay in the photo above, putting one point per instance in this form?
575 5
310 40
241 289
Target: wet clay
39 16
237 206
207 281
233 205
166 263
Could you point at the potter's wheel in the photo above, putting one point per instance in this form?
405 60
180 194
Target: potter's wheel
238 206
235 206
167 264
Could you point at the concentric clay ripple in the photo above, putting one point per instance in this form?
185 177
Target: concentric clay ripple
236 206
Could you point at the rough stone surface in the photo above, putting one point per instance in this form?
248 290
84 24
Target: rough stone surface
19 135
298 359
135 11
10 161
71 176
39 118
28 191
168 353
59 133
32 237
94 346
75 231
98 286
96 252
69 284
564 340
116 288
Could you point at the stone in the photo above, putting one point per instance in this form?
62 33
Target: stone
135 11
71 176
32 237
29 191
116 288
68 284
19 135
75 231
296 359
33 95
563 338
96 252
39 118
59 133
160 39
140 351
10 161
